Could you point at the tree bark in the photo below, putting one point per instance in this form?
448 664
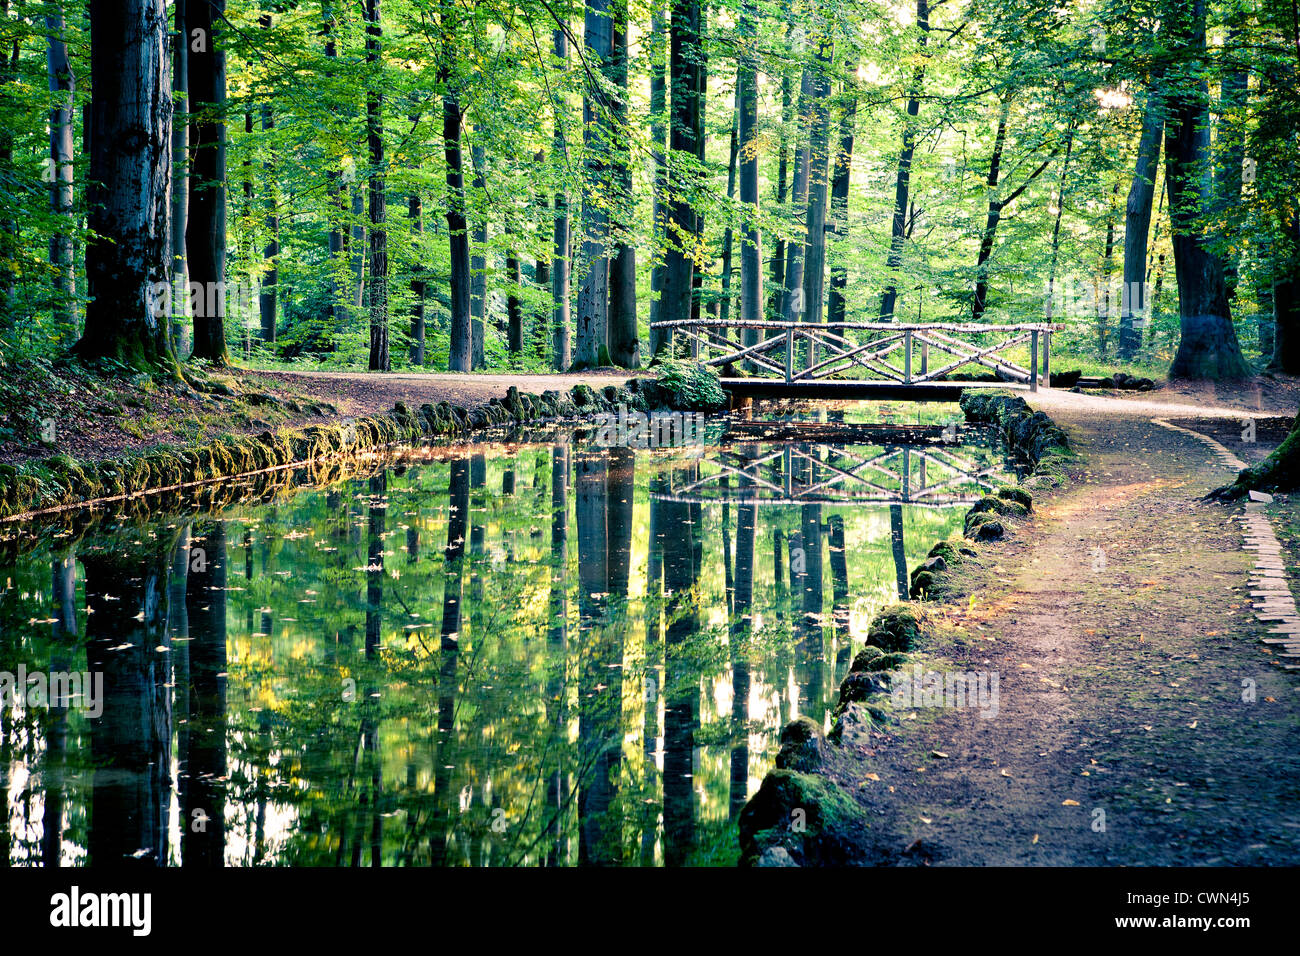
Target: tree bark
590 341
836 308
379 357
624 347
268 298
129 177
560 271
415 212
1134 305
751 250
478 263
684 57
903 178
1208 347
205 235
63 85
792 304
658 144
458 356
814 284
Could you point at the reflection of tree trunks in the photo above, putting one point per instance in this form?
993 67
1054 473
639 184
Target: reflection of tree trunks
811 638
896 544
448 658
64 593
599 687
653 658
840 594
374 639
741 631
203 825
126 603
178 627
557 645
680 690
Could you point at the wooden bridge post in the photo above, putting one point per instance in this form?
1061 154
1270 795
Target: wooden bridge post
1033 361
925 363
789 355
907 357
1047 360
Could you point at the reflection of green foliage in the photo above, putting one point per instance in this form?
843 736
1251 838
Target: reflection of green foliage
297 632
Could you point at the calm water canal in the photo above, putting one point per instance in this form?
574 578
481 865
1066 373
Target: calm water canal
535 652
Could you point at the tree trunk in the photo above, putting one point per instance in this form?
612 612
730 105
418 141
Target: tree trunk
724 298
590 341
814 283
560 270
205 234
684 136
379 358
415 212
458 356
751 251
624 347
1286 306
478 264
1208 348
777 292
129 176
269 294
658 102
180 184
1134 305
514 308
63 85
903 179
836 308
792 304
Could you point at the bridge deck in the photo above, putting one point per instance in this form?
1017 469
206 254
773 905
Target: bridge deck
849 390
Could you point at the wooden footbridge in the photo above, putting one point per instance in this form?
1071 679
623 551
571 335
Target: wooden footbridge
865 359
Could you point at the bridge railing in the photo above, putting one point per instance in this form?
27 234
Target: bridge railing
892 352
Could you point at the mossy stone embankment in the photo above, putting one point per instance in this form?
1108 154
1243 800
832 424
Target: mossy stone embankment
801 815
61 481
1030 435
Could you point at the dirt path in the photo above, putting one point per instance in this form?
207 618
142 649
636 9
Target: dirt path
1121 679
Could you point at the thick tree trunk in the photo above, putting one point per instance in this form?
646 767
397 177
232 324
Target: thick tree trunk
379 357
514 307
903 178
991 219
1208 348
724 297
205 235
129 178
684 58
458 356
63 85
590 341
624 347
560 269
1286 306
1134 305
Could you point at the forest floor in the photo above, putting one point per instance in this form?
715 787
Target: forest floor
92 418
1125 733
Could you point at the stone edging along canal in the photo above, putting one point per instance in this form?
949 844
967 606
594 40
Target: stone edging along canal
800 815
61 483
1270 591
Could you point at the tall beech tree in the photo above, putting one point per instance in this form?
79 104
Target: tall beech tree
591 332
1208 347
459 351
379 359
129 135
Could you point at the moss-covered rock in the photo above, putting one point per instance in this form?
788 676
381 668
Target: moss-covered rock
807 815
802 746
896 628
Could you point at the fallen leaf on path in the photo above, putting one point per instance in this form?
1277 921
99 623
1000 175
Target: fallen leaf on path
1069 803
1035 839
938 753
